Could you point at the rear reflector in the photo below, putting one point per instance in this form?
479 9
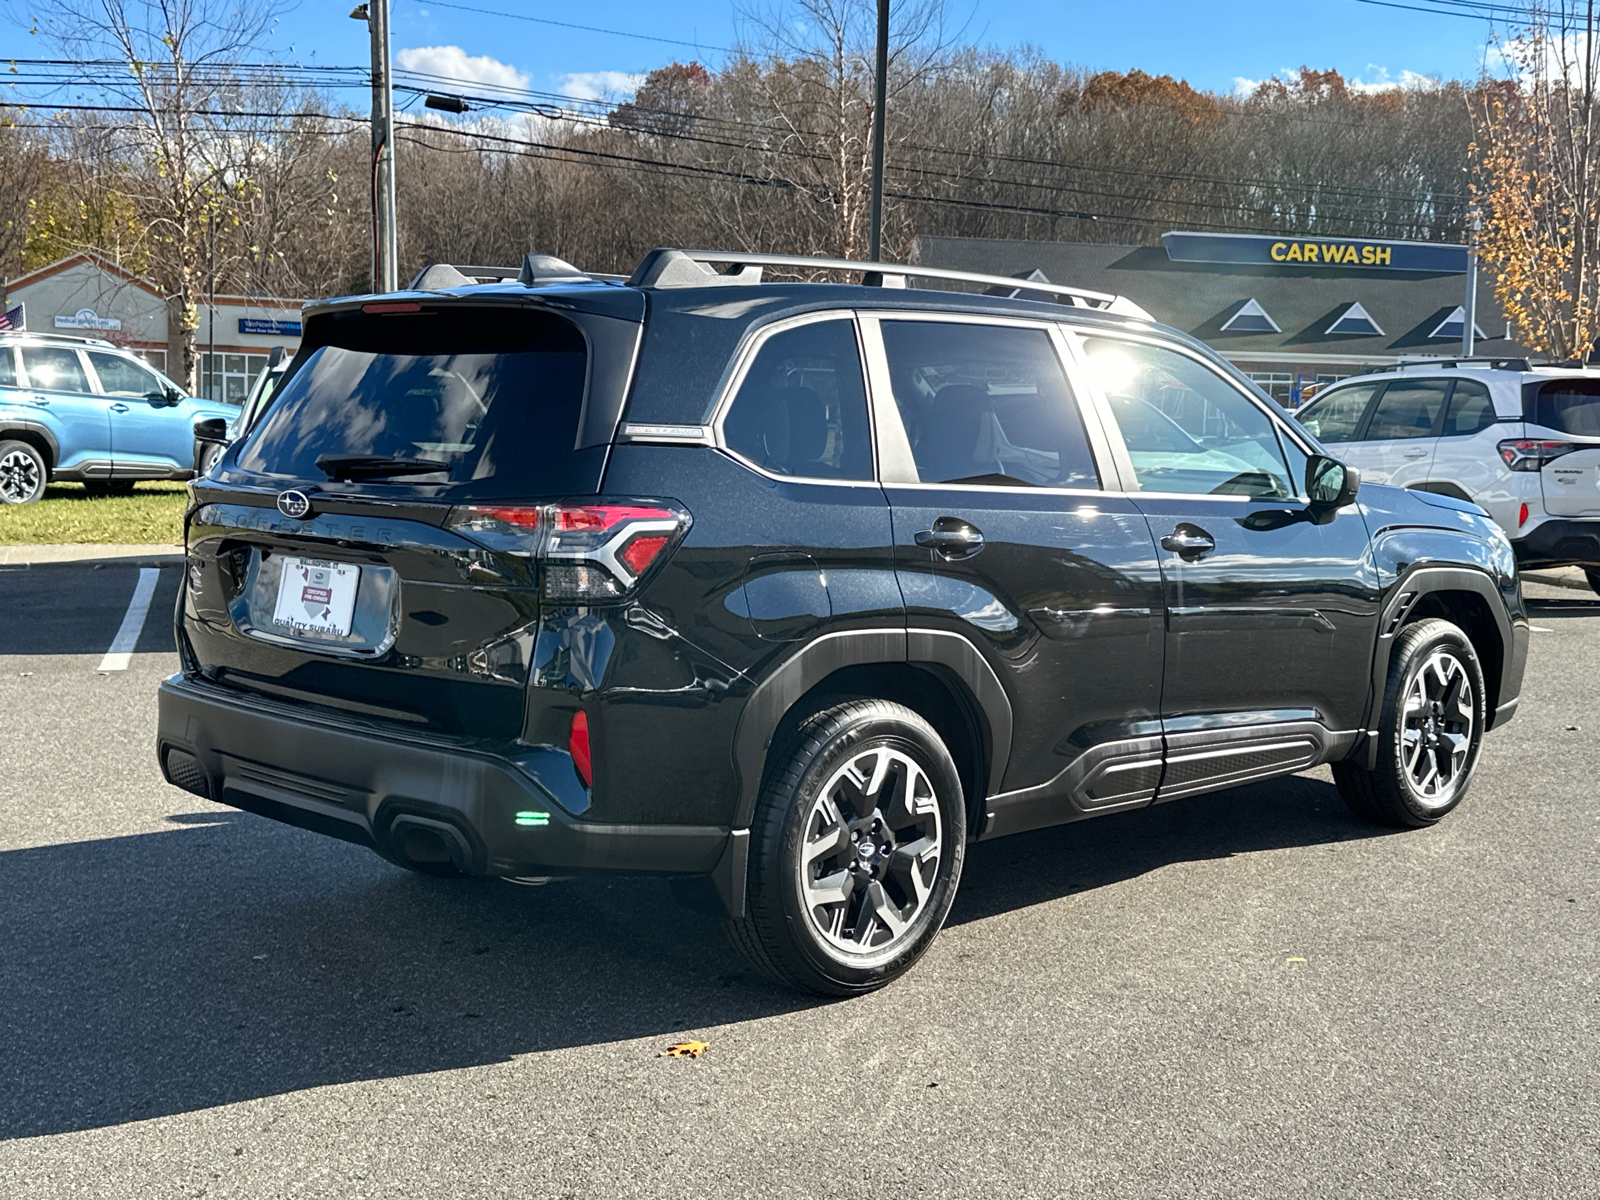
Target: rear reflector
1522 517
578 746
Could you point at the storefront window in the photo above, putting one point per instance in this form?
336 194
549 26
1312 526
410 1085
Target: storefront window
230 377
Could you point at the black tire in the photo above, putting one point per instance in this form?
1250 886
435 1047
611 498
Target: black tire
1592 574
875 833
109 487
23 473
1435 745
208 456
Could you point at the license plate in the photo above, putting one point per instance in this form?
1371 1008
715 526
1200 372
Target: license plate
316 596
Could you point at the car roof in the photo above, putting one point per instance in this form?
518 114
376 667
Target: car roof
9 336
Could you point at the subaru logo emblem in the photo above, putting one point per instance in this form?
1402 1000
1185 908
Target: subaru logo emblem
294 504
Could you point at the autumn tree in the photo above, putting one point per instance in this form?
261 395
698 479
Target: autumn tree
1536 162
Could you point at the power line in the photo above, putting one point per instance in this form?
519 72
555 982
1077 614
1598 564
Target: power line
643 37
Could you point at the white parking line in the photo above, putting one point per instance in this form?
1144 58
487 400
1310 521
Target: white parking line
127 638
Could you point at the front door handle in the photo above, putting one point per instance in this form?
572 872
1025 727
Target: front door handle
1189 542
42 401
119 408
951 537
1416 453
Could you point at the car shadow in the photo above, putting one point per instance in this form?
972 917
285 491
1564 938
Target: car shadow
231 958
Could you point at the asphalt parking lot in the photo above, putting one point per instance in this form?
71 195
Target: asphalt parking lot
1245 994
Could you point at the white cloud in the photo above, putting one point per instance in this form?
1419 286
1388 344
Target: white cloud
1381 81
600 85
452 62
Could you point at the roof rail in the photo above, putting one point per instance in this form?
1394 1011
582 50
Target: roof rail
58 337
668 268
1435 364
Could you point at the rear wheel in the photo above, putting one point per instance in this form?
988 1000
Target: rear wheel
23 473
1592 574
856 850
109 487
1430 731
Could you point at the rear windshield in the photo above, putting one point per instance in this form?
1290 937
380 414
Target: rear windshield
493 396
1566 406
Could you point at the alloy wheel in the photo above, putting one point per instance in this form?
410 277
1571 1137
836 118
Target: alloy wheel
1437 727
20 477
873 841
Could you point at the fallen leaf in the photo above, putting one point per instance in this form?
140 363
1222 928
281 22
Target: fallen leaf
685 1050
1296 960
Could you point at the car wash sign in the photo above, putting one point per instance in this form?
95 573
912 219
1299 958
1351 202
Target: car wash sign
1266 250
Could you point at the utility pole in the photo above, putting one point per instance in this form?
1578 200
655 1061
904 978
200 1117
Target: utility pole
385 242
880 101
1470 308
210 372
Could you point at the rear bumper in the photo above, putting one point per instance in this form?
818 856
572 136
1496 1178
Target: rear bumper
1560 542
361 785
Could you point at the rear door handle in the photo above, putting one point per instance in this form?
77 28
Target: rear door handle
951 537
1189 542
42 401
1416 453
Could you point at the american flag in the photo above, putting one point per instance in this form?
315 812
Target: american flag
11 318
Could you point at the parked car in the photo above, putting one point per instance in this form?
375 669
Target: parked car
80 409
792 591
213 436
1519 440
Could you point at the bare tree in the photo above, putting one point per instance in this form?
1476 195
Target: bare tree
184 97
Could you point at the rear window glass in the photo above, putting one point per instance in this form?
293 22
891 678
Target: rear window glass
492 397
1568 407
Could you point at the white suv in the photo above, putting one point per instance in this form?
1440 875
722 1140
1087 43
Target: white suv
1521 441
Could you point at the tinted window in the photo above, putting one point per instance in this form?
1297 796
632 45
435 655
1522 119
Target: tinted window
54 369
1335 416
1569 407
1471 409
1407 409
122 377
493 394
1187 429
986 404
802 408
8 368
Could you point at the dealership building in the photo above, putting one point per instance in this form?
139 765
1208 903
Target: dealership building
90 296
1288 311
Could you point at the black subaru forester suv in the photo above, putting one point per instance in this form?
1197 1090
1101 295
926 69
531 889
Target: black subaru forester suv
792 590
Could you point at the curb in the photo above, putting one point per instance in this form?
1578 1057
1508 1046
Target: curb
155 555
1566 577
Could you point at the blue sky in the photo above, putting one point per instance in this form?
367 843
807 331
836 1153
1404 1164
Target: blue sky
1211 45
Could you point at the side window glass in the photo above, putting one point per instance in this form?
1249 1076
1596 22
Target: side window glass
1187 429
1408 408
8 368
802 408
1471 409
54 369
987 405
1336 416
121 377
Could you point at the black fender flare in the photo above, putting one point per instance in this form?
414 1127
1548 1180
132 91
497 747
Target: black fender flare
34 429
1412 585
809 666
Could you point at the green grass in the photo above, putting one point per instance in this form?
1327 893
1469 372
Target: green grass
153 514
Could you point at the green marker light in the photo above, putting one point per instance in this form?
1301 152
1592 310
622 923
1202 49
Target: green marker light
533 818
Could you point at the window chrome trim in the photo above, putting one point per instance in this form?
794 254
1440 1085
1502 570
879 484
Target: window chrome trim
745 357
890 429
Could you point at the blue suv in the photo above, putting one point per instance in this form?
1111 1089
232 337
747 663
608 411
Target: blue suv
81 410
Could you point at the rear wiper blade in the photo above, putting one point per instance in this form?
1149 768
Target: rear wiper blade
375 466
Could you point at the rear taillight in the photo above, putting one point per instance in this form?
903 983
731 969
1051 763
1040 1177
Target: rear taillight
1530 454
578 747
588 553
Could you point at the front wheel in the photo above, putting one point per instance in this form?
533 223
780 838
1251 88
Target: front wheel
856 850
23 473
1429 733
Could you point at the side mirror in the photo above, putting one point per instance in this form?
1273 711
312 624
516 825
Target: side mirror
1331 484
164 398
213 431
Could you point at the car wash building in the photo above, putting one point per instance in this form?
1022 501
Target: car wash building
90 296
1289 311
